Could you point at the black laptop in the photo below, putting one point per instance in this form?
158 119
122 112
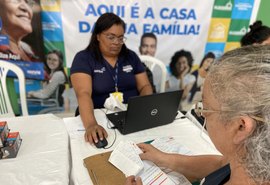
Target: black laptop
146 112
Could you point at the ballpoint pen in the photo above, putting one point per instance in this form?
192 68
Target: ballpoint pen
80 130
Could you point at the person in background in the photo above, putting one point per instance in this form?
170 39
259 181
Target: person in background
180 78
200 75
258 34
236 107
16 18
57 76
106 66
148 46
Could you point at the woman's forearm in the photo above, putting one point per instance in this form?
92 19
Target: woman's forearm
193 167
146 90
86 109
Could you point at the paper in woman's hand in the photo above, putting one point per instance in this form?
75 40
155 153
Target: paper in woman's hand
126 158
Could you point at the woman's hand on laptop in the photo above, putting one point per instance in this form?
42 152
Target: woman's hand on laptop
91 133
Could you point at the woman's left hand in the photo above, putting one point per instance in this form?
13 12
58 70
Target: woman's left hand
151 153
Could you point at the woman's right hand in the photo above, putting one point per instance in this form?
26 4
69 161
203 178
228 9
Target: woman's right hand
91 133
131 180
151 153
184 72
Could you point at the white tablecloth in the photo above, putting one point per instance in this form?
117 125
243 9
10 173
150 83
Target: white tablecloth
44 155
183 130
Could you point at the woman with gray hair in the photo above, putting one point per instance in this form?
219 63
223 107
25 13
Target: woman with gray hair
236 107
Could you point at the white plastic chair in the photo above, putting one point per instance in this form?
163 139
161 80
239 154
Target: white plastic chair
5 105
151 62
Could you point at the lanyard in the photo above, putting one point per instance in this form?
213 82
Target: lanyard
115 76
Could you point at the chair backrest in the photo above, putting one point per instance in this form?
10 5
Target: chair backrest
5 104
151 62
59 92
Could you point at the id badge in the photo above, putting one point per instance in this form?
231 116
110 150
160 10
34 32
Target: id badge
118 95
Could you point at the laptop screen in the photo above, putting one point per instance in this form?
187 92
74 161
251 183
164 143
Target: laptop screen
149 111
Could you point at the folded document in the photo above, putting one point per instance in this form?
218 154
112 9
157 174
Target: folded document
126 158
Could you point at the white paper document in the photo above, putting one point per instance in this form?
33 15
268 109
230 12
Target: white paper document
152 174
126 158
169 145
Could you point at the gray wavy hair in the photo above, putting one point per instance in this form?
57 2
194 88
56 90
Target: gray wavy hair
240 81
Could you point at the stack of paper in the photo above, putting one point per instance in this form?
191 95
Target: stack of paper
126 158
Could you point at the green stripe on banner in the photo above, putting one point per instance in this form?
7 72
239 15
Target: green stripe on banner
263 13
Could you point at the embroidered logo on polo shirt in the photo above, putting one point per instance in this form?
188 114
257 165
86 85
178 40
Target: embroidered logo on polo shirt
127 68
100 70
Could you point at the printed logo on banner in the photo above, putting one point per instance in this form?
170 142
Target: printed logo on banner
238 29
223 8
242 9
216 48
52 26
4 41
50 5
32 70
231 46
218 30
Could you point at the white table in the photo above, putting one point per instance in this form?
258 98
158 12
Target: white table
44 155
183 130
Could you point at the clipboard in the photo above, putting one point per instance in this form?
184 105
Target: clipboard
102 172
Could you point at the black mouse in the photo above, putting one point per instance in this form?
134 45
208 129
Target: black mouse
101 143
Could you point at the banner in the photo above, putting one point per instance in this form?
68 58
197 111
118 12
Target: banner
229 23
21 36
197 26
177 24
263 11
40 26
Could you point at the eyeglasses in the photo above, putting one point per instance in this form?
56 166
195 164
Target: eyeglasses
30 3
199 110
113 38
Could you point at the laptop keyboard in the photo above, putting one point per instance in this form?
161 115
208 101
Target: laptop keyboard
117 118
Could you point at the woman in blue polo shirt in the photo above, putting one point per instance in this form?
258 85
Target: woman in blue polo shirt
104 67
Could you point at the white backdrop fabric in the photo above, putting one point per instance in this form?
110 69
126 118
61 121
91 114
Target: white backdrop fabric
177 24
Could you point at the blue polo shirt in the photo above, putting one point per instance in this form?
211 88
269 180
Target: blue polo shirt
219 177
102 75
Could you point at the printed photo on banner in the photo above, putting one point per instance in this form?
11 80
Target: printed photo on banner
21 40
